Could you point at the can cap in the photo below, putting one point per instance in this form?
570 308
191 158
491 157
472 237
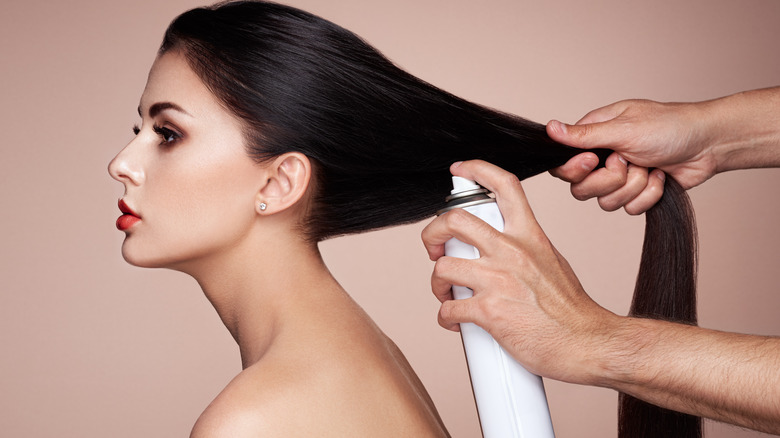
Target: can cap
460 185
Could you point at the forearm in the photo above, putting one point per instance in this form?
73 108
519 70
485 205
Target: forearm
744 129
724 376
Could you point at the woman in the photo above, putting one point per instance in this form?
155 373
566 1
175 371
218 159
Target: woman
196 202
265 129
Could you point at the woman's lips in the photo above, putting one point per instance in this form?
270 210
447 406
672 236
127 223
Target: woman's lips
128 218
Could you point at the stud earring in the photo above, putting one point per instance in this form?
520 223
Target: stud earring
263 206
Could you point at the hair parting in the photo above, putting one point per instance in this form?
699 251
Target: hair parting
382 141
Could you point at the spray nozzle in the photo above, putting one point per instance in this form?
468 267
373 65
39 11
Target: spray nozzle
460 185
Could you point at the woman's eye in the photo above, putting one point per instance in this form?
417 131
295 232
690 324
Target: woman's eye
167 135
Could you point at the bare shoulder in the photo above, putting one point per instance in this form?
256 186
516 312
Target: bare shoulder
298 398
271 400
259 401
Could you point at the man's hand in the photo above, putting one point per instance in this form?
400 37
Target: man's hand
669 137
525 293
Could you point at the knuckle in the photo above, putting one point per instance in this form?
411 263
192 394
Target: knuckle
456 218
579 132
489 307
579 193
633 107
608 204
425 234
445 316
506 282
436 284
492 277
656 189
509 182
637 178
441 268
634 210
619 178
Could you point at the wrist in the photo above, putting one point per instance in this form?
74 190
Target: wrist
743 130
626 354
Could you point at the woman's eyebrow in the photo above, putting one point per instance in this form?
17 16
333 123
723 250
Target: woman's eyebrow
159 107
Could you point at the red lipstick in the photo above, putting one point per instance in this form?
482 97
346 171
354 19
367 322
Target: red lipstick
128 218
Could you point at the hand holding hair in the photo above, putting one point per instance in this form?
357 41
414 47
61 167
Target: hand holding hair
689 141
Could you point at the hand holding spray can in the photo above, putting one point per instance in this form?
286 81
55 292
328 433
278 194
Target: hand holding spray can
511 401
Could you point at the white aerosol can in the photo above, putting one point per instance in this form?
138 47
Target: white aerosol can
511 401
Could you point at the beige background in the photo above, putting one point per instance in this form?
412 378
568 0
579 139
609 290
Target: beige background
92 347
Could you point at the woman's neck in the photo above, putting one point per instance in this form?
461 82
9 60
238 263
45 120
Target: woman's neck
264 291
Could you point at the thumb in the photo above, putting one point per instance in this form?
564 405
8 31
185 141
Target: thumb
585 136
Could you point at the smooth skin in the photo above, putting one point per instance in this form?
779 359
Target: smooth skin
529 299
314 363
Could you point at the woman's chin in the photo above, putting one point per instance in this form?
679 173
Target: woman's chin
142 260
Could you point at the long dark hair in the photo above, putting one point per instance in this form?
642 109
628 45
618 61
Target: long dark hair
381 140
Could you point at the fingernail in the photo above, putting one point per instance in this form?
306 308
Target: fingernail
622 160
561 126
590 163
456 164
661 175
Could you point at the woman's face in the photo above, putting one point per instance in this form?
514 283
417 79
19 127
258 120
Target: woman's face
190 187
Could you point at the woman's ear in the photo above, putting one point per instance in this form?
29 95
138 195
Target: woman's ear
288 178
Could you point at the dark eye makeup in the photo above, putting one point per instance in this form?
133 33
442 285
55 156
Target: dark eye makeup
167 135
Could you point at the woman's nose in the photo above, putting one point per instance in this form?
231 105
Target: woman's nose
126 166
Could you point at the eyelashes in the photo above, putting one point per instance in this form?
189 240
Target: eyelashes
167 135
